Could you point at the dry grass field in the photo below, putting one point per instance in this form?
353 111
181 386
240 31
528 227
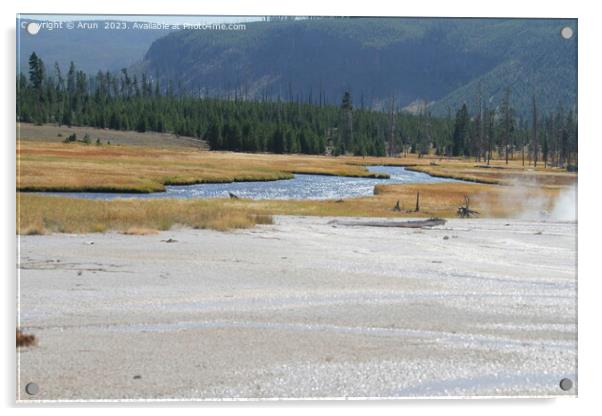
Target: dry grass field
435 200
45 166
49 166
501 190
56 134
41 215
497 172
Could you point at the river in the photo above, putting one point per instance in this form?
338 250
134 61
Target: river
300 187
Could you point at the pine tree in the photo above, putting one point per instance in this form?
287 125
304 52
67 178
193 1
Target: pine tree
36 72
461 131
108 100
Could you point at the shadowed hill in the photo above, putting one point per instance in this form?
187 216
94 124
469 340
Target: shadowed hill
442 61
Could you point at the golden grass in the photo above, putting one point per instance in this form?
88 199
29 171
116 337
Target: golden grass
137 230
43 214
35 227
44 166
436 200
443 199
497 172
72 215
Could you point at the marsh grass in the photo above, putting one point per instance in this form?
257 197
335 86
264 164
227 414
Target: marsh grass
59 167
39 214
436 200
46 214
497 173
140 231
46 166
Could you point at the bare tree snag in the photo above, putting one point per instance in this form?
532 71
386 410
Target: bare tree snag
465 211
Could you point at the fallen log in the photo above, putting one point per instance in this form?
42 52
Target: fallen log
431 222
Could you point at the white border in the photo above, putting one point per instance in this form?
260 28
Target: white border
590 152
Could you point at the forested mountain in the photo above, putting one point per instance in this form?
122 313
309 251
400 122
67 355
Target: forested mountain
102 48
382 61
130 102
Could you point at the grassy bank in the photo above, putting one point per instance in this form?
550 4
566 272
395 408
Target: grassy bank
497 172
46 166
42 214
498 190
435 200
52 166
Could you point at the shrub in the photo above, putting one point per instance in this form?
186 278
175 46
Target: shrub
71 138
25 340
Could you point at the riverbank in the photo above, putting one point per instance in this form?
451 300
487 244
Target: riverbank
47 214
301 308
72 167
75 167
39 214
512 190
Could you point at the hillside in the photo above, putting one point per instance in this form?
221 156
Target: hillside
93 50
442 61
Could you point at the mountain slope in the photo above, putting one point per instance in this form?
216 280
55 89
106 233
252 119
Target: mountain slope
442 61
91 49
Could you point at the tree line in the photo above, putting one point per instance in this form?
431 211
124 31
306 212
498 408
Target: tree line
122 101
550 139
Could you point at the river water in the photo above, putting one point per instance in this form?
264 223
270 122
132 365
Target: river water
300 187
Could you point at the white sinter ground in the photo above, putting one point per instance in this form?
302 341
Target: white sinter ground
302 308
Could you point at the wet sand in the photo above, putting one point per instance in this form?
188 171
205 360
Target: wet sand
302 308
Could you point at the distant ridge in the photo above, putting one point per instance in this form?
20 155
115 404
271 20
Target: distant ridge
442 61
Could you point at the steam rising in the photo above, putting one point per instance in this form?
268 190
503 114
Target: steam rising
536 205
533 203
565 206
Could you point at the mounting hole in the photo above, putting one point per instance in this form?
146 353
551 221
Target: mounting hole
566 384
566 32
33 28
32 389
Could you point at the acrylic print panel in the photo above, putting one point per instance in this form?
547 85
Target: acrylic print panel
295 207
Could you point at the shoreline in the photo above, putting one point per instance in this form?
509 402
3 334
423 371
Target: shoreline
48 167
285 176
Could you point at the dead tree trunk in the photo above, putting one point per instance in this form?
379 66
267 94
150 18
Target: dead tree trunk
535 142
